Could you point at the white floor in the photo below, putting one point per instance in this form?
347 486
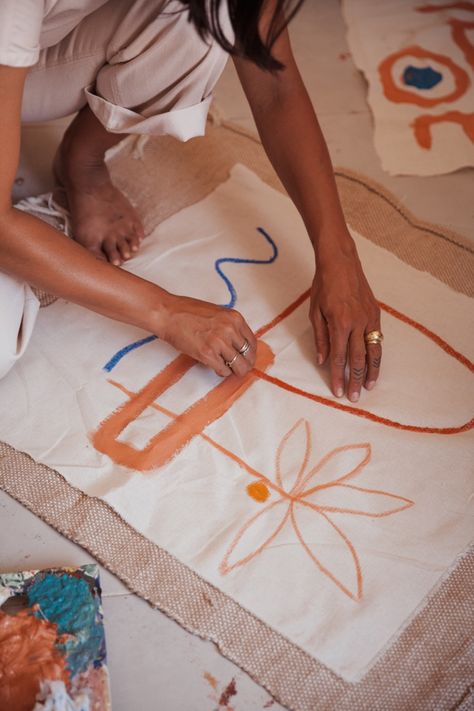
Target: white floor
154 664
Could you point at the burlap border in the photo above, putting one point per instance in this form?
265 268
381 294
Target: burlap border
430 665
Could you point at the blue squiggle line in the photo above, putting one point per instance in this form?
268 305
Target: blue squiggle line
239 260
110 365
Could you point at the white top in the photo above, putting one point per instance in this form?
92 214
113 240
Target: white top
28 26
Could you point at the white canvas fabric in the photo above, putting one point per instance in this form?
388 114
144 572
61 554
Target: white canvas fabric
329 522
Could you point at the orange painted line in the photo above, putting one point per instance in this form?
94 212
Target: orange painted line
459 35
306 456
284 314
429 334
358 595
422 126
359 412
224 566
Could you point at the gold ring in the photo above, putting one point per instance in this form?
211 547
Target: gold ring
230 363
245 348
373 338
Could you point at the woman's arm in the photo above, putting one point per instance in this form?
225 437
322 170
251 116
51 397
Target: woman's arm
343 307
43 257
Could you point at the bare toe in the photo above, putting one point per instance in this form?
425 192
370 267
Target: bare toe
123 247
109 246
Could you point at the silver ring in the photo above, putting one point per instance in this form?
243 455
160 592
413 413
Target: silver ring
245 348
230 363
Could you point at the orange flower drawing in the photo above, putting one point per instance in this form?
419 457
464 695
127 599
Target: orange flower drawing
308 501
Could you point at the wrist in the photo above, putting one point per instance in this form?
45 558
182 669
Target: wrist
333 245
151 310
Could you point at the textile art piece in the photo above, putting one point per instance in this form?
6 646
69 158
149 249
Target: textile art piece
418 59
52 644
329 522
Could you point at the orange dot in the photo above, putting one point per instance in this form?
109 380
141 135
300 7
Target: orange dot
258 491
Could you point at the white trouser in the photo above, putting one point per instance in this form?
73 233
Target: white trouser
18 311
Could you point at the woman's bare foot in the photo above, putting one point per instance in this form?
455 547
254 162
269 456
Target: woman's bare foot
103 220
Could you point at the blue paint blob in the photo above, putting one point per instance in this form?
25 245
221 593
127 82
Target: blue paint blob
421 77
110 365
67 601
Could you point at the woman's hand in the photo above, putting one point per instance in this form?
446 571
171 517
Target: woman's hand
210 334
343 310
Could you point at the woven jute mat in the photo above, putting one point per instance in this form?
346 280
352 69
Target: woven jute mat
430 665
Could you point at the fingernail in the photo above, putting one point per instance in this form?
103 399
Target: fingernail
339 392
134 248
116 262
127 255
320 359
370 385
354 397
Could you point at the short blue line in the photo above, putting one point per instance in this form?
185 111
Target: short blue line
110 365
124 351
238 260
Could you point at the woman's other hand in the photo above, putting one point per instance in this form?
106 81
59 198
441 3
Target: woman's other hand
343 311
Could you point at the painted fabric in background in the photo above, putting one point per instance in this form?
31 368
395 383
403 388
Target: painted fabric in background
331 523
52 643
418 59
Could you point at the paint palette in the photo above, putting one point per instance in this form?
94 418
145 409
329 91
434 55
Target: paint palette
52 642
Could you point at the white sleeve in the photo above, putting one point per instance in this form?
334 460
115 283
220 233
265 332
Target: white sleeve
20 29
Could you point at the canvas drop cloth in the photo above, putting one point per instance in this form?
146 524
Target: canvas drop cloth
330 523
418 59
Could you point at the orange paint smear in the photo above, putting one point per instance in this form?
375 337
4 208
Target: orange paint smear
28 655
422 126
258 491
399 95
170 440
211 680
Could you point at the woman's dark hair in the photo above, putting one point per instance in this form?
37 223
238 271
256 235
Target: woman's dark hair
245 18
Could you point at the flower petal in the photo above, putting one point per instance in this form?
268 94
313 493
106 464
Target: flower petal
350 499
292 456
329 548
337 466
247 542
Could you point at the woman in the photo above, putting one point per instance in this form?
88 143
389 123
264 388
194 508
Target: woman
149 66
